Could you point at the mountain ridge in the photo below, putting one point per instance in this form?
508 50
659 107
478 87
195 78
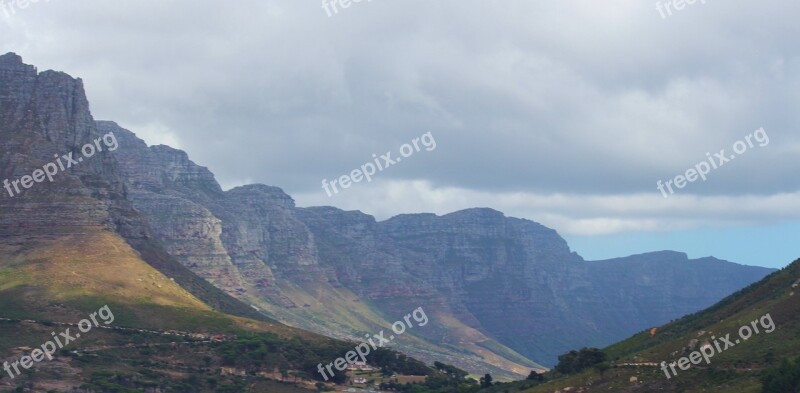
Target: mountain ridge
500 290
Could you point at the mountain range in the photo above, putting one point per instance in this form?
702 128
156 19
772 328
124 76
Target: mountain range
147 229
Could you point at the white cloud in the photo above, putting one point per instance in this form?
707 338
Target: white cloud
156 134
570 214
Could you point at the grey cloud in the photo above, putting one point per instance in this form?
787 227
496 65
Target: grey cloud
578 97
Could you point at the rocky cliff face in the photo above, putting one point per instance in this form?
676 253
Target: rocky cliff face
518 280
45 116
164 185
238 240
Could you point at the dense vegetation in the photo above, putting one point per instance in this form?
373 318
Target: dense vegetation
397 363
784 378
445 379
268 351
574 362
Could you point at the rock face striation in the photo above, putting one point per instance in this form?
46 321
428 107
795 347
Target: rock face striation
242 240
495 285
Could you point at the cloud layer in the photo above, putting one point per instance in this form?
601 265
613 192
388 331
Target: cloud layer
563 112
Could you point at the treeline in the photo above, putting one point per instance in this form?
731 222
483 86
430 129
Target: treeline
574 362
393 362
445 379
268 351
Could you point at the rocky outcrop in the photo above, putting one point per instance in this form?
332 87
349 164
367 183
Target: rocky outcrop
163 183
45 116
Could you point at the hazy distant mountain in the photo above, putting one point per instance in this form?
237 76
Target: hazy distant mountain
746 337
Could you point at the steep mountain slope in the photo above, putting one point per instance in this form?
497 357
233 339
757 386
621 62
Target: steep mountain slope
744 335
46 124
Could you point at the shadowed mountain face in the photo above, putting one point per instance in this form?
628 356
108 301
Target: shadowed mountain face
760 322
517 280
498 290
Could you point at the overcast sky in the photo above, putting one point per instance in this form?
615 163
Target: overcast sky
564 112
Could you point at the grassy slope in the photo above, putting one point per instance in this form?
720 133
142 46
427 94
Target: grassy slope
735 370
335 310
64 278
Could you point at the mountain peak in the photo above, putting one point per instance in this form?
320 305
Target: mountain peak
478 212
665 253
264 192
13 62
10 58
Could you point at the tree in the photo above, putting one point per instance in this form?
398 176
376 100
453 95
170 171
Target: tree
574 362
602 367
486 381
452 371
784 378
534 376
769 357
